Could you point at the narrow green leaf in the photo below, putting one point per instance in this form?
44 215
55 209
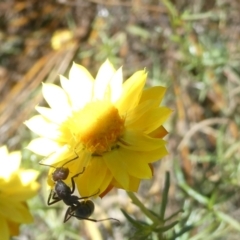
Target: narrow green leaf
174 215
182 183
153 213
182 231
194 194
144 210
132 220
165 228
165 196
171 8
186 16
140 235
226 218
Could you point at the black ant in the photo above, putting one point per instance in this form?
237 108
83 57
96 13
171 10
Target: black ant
80 210
61 190
83 211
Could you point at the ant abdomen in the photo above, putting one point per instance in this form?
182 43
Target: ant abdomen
85 209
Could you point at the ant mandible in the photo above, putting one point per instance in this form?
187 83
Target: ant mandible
83 211
61 190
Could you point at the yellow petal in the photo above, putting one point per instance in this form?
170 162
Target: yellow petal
15 211
51 115
25 193
80 89
151 120
136 141
108 188
3 152
43 127
146 156
81 161
117 167
93 178
155 155
43 146
56 98
17 190
101 85
160 132
116 85
155 93
58 157
14 228
4 230
135 167
15 159
11 164
132 91
133 184
106 181
65 83
27 176
79 73
136 113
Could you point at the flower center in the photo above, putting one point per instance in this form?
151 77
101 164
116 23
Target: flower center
98 126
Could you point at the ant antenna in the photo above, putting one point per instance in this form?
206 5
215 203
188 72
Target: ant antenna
70 160
101 220
94 220
48 165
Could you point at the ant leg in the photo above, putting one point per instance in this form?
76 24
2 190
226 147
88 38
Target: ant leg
53 196
80 198
90 195
68 214
93 220
73 183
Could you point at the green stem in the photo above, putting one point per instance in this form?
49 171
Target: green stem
165 196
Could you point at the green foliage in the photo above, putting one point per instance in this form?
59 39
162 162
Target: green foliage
157 225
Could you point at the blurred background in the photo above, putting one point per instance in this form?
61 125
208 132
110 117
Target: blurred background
190 46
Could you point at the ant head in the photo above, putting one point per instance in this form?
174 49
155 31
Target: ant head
60 173
85 209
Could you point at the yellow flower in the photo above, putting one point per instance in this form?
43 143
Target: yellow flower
16 186
115 128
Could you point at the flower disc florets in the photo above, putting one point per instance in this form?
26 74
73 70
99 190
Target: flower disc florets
97 127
